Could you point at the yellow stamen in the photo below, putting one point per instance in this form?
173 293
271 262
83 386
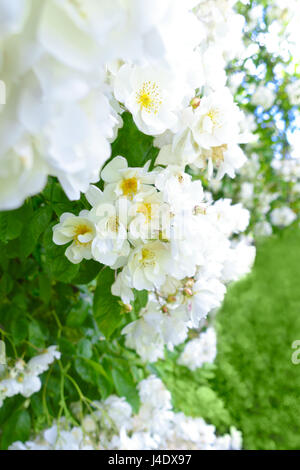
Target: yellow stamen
148 257
214 115
81 229
113 224
129 187
218 153
146 209
149 97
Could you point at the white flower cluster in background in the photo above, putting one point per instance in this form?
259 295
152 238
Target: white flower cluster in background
263 96
114 426
68 65
23 378
288 169
159 231
282 216
293 91
257 195
200 350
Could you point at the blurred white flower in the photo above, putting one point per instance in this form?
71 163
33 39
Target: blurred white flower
282 216
263 96
200 350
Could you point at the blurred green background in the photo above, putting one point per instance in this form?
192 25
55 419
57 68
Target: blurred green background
253 384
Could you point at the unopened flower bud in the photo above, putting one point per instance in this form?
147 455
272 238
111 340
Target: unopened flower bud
165 309
187 291
127 308
190 282
195 102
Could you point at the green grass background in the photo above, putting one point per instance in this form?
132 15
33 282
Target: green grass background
253 385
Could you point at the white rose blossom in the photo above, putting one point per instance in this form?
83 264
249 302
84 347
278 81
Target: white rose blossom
155 426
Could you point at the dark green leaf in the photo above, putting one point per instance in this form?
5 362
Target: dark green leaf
140 300
84 348
6 285
36 334
125 387
45 288
88 271
132 144
33 229
16 428
56 264
78 314
85 371
106 306
66 347
98 368
19 328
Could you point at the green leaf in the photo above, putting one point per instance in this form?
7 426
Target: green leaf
106 306
78 314
9 406
19 328
56 264
88 271
125 387
133 144
33 229
6 284
84 348
140 300
11 222
98 368
10 226
66 347
85 371
16 428
45 288
36 334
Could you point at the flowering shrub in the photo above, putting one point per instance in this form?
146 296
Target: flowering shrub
122 171
265 80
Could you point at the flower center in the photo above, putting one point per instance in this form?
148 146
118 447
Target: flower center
146 209
148 257
113 224
81 229
129 187
149 97
218 154
214 116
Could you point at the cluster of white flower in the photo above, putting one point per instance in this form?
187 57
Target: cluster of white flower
209 130
266 198
282 216
293 91
223 26
263 96
288 169
158 228
23 378
68 64
156 426
286 14
200 350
